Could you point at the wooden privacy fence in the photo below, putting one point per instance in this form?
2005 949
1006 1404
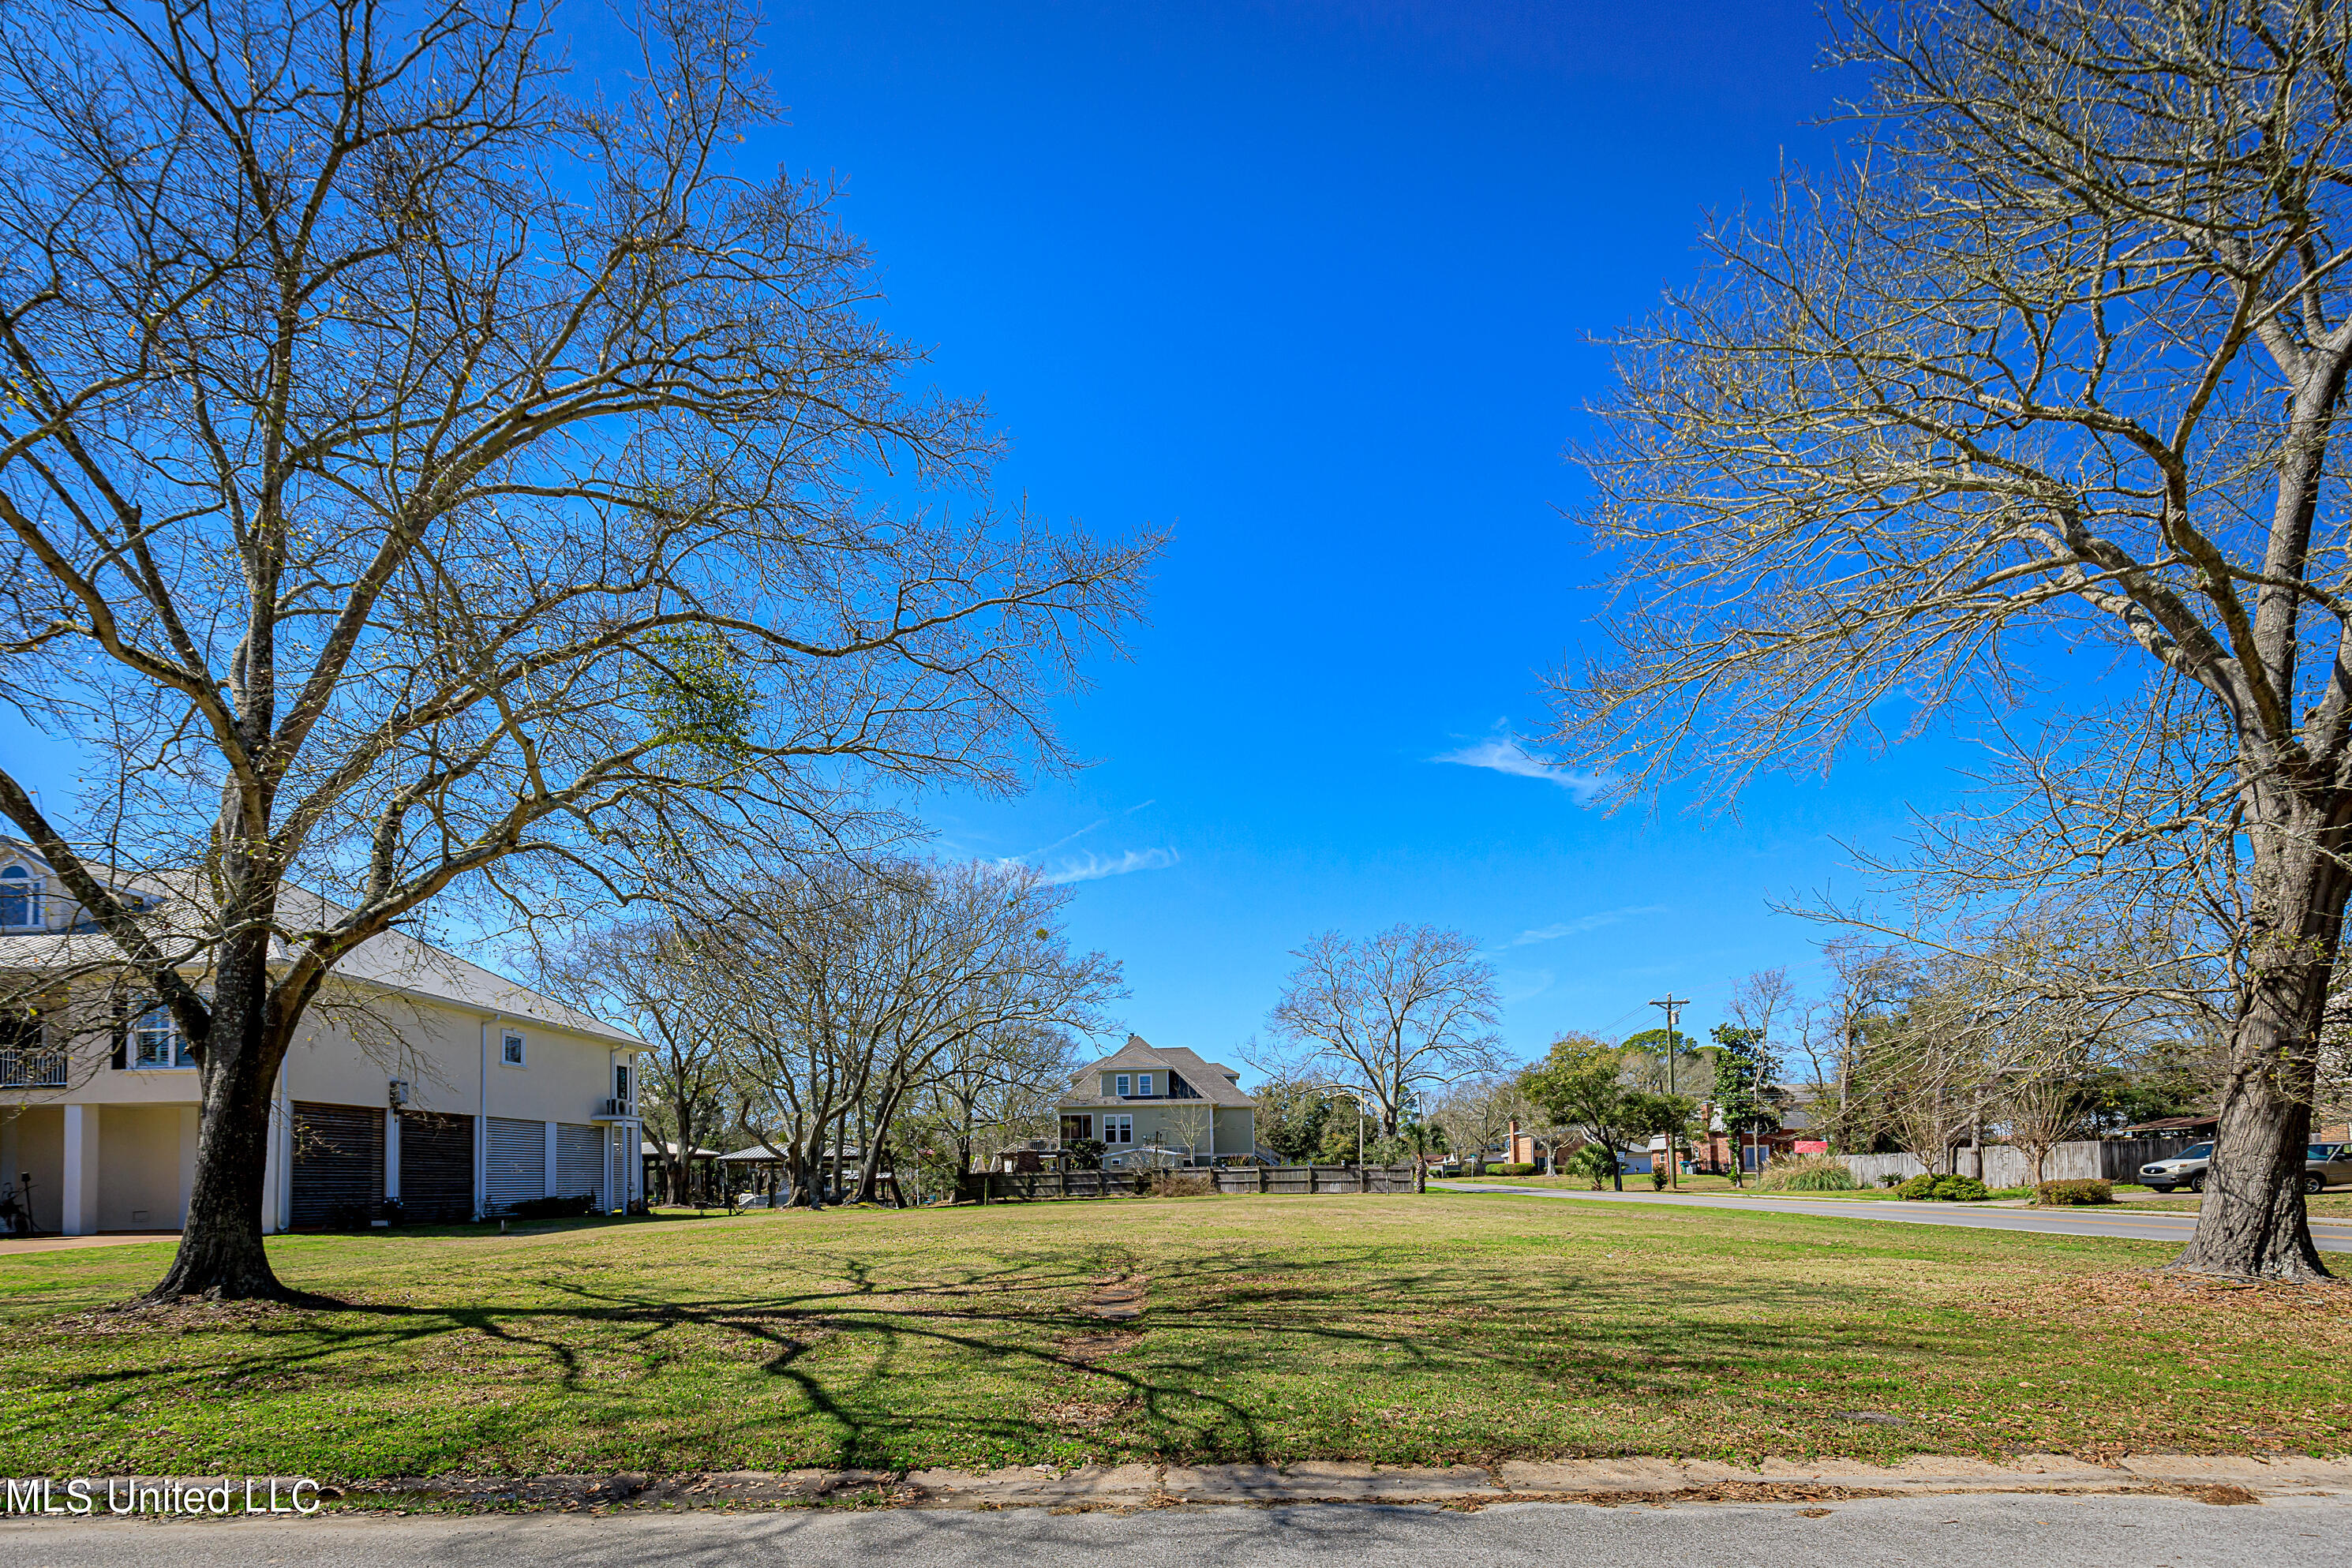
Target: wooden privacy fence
2001 1164
1315 1178
1029 1186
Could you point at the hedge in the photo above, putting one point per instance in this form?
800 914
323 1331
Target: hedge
2066 1192
1943 1189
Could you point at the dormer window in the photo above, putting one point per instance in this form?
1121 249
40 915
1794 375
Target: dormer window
20 899
1144 1085
1122 1079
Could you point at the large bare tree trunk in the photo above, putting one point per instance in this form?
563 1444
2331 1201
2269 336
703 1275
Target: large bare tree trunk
2253 1222
221 1254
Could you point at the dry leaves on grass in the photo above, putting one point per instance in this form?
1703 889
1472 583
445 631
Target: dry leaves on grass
2319 1312
186 1316
1087 1414
1088 1347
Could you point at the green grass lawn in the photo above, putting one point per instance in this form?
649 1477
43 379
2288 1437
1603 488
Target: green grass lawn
1410 1330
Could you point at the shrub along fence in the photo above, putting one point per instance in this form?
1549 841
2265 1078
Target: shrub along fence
2003 1164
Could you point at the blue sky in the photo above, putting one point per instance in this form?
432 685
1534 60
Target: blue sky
1312 286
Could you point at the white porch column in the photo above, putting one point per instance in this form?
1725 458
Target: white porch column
281 1192
191 1124
79 1197
390 1152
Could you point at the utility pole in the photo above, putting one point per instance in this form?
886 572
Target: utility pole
1673 1006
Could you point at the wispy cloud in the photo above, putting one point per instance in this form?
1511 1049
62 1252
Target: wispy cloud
1501 754
1094 866
1058 843
1521 985
1578 926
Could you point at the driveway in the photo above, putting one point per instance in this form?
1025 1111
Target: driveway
2327 1235
1935 1532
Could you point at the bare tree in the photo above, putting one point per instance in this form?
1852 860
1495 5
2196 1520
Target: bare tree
1192 1123
1400 1011
646 973
2043 1108
2061 352
860 983
418 480
1475 1111
997 1085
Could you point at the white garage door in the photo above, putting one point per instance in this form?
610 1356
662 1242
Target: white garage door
518 1162
580 1161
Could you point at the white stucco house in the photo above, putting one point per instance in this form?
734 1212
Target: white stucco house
417 1076
1151 1103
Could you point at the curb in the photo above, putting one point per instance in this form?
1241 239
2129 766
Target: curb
1603 1481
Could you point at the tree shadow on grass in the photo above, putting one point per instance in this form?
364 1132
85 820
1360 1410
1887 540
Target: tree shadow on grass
863 1358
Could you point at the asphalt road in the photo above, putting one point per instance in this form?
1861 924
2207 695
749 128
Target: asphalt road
2163 1225
1951 1532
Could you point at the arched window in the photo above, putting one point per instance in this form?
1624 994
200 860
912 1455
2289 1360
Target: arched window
20 899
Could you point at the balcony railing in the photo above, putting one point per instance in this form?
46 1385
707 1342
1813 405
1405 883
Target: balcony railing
610 1110
32 1069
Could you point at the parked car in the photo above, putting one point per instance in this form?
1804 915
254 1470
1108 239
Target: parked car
2186 1168
2323 1165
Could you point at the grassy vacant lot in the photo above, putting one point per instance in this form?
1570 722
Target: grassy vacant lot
1401 1329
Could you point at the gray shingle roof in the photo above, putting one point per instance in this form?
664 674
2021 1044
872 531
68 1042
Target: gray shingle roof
1212 1080
394 959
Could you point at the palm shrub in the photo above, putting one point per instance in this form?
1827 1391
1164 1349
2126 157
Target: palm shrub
1810 1173
1591 1162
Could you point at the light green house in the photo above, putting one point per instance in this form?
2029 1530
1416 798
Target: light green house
1150 1106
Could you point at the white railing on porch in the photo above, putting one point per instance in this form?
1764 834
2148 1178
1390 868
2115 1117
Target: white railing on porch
32 1069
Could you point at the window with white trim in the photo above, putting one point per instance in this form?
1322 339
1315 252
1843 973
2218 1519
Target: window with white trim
154 1039
621 1082
1143 1085
20 899
510 1050
1122 1080
1118 1130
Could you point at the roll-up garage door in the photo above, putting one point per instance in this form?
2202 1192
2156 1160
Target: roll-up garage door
338 1165
437 1167
517 1164
580 1162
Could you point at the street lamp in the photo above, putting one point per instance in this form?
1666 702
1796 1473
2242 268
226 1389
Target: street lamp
1358 1095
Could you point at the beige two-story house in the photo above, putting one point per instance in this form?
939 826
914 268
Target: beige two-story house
417 1077
1147 1101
